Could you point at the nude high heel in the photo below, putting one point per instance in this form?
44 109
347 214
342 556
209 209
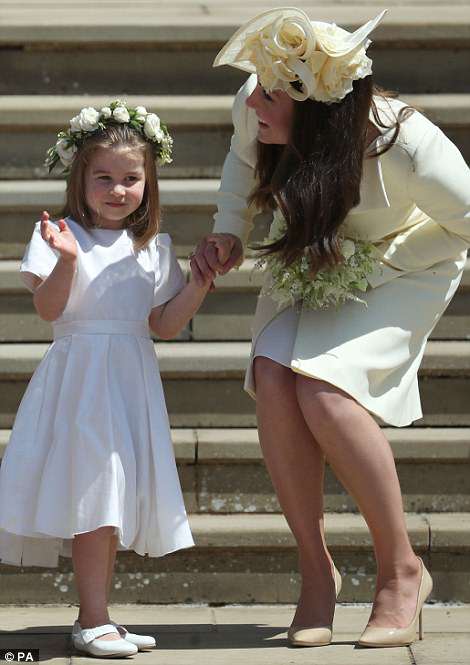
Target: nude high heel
400 637
305 636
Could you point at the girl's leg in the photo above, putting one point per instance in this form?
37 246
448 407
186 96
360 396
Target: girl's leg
361 457
90 554
296 466
111 562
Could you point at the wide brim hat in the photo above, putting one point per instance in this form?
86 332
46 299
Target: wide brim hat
319 44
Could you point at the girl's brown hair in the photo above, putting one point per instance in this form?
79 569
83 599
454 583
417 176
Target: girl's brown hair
315 178
145 221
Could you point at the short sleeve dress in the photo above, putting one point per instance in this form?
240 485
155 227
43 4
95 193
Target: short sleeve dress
91 442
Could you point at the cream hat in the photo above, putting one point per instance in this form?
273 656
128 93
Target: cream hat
282 46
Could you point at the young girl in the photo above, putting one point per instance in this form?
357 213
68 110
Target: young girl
90 465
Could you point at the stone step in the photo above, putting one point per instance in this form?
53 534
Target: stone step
203 382
252 558
29 125
432 463
170 49
226 314
222 471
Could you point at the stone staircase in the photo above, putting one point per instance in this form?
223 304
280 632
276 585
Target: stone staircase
56 58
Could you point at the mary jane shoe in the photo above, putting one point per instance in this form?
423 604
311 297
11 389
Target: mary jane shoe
140 641
85 639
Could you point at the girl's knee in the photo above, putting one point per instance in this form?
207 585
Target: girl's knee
100 533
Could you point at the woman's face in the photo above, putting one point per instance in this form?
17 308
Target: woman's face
274 111
114 185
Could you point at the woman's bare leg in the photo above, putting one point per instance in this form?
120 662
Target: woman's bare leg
360 455
90 554
296 466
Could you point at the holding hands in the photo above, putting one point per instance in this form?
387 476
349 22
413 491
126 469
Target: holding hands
62 240
216 254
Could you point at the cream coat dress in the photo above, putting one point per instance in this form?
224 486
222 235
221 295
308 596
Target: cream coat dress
415 207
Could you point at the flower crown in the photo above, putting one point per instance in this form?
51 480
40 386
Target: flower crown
89 121
283 47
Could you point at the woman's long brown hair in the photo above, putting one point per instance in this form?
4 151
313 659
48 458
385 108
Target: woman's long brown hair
315 178
145 221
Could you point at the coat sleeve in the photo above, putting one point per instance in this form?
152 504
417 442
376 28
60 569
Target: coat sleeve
439 184
238 174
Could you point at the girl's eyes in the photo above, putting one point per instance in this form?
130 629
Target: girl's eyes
266 95
107 178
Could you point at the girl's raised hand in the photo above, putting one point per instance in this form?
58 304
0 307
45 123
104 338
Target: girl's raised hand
62 240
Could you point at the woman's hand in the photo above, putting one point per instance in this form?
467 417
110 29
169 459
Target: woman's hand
62 240
216 254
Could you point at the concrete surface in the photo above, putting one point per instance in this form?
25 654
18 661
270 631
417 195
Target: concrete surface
201 635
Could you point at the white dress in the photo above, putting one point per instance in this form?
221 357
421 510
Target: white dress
91 442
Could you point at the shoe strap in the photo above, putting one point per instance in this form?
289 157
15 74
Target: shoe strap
119 628
90 634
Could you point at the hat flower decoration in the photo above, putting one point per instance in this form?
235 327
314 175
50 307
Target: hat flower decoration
282 46
90 120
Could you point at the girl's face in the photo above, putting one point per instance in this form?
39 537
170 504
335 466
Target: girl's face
275 111
114 185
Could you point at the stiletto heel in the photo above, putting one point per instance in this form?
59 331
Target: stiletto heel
400 637
305 636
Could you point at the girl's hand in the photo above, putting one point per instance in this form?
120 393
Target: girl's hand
201 281
62 240
216 253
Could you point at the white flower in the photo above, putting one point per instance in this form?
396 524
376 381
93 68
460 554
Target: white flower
152 128
141 114
106 112
85 121
263 61
75 124
348 249
338 74
66 152
166 141
329 37
121 114
288 38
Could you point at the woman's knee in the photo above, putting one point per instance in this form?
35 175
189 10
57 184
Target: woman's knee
271 377
322 400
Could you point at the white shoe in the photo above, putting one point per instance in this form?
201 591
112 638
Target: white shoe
140 641
85 639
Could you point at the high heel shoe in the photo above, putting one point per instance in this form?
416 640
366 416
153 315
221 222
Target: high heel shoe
401 637
305 636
